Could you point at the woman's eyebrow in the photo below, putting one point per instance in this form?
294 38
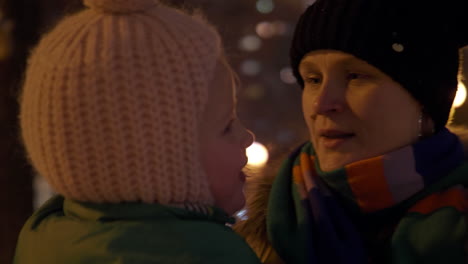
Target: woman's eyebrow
308 66
353 62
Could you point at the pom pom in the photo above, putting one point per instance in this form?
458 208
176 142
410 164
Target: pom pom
120 6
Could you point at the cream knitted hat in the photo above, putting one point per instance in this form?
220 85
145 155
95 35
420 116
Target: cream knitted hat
112 101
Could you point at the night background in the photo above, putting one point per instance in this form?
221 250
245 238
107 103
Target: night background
256 35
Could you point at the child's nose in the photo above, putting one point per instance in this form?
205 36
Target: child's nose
249 138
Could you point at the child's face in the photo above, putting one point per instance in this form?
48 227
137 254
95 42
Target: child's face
223 142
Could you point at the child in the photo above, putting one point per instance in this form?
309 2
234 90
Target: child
128 111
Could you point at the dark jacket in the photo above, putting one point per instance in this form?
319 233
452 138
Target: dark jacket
68 232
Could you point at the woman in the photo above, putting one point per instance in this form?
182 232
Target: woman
382 179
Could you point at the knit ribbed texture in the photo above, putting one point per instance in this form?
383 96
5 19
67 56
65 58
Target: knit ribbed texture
120 6
111 106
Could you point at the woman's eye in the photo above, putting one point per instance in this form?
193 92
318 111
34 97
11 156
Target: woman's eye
354 76
313 79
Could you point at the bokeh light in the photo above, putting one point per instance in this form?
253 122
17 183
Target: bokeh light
265 6
280 27
287 76
460 97
257 154
265 29
250 43
250 67
254 91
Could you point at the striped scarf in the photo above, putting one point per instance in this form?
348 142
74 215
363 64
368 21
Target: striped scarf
354 214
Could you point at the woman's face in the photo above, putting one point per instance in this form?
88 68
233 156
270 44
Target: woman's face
353 110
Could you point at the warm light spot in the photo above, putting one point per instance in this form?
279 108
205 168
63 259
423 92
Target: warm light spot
460 96
257 154
265 29
280 27
250 43
270 29
250 67
287 76
254 91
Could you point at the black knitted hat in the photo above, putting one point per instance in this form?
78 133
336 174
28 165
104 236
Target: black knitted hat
416 42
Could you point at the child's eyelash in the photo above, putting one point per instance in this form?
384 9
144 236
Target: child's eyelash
228 127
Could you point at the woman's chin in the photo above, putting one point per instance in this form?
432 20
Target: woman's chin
332 162
326 167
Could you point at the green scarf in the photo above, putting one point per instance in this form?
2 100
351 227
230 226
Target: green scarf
406 206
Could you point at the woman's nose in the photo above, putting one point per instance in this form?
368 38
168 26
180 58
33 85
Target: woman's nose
330 99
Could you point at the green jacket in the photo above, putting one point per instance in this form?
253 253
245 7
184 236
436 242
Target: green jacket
69 232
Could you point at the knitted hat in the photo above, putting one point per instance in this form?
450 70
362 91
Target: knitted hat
112 101
415 42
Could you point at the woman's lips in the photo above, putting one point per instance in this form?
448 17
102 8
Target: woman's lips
334 138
